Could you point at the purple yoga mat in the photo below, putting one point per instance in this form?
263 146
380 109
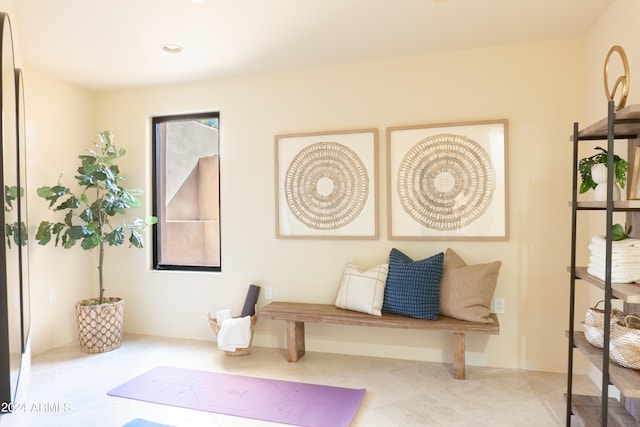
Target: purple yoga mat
285 402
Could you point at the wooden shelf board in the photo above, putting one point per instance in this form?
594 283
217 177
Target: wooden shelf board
625 379
588 408
620 205
627 292
598 130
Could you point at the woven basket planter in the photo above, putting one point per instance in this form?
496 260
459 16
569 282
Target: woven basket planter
100 325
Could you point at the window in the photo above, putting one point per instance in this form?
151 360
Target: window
186 192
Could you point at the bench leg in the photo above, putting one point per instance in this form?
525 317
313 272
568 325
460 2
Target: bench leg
295 340
458 356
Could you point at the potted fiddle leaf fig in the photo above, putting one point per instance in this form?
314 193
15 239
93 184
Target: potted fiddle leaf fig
90 217
593 171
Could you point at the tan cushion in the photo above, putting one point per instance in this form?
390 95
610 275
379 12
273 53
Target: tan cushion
466 291
363 290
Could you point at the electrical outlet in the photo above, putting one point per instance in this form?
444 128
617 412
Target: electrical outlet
268 294
498 305
52 297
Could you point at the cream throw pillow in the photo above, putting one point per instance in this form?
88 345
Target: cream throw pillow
363 290
466 291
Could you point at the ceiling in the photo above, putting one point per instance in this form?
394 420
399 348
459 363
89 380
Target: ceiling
105 44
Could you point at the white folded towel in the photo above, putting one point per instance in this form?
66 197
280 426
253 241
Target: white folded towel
601 240
616 264
624 251
616 276
628 255
625 259
235 333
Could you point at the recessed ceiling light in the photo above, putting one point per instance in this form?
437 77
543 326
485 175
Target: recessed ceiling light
171 48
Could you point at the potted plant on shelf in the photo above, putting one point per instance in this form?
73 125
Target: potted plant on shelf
593 171
90 219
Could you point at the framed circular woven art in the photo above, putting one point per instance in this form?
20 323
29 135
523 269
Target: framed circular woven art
448 181
326 185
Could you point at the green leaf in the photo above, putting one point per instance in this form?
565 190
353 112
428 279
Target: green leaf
584 187
90 241
76 232
621 171
116 237
618 232
8 231
70 203
136 239
68 219
43 234
10 194
87 168
86 215
20 236
52 194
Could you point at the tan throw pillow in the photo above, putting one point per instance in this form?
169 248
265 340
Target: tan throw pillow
466 291
363 290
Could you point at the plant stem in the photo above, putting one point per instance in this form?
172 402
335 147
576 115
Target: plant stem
100 280
101 251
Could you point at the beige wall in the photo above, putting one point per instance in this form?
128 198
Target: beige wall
539 88
534 86
60 125
618 26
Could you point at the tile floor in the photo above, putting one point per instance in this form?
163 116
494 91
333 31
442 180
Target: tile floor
73 385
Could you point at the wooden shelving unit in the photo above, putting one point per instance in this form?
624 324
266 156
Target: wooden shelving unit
602 410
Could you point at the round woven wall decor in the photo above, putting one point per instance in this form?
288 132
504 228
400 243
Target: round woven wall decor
446 181
326 186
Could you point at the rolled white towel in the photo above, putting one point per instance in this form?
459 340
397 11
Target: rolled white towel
235 333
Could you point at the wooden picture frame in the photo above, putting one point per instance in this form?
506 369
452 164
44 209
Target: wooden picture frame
326 185
448 181
633 186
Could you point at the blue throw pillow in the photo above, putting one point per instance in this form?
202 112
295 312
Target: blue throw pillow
413 287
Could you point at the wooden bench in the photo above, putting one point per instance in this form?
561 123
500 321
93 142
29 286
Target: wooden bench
296 314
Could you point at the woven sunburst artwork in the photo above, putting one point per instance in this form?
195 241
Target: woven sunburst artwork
326 186
446 181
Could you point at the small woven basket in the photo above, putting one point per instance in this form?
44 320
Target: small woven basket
593 324
239 351
593 334
625 342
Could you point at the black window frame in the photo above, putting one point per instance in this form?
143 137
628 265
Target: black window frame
156 199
